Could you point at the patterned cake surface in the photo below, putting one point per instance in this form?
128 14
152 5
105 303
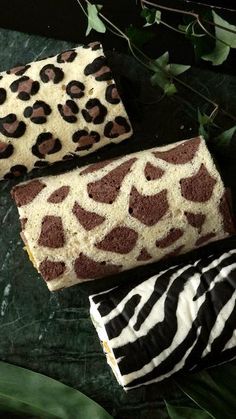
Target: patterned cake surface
58 107
183 318
118 214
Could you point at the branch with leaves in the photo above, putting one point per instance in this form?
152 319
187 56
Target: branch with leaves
164 74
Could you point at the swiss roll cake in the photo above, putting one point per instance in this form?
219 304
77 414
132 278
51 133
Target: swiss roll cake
55 108
118 214
182 319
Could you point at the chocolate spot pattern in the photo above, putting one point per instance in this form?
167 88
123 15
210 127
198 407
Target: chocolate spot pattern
59 195
75 89
148 209
67 56
112 95
19 70
95 112
153 172
25 87
172 236
196 220
3 95
89 220
38 112
174 252
16 171
46 144
227 215
107 189
51 270
85 139
181 154
68 111
119 240
119 126
87 268
51 73
96 166
10 126
52 233
24 194
144 255
94 46
204 239
99 69
6 150
199 187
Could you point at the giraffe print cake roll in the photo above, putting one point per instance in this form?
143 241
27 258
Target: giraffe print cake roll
183 318
53 109
118 214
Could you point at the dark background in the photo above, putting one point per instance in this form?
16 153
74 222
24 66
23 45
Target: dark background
63 19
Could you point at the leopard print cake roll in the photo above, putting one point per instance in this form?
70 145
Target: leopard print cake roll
58 107
118 214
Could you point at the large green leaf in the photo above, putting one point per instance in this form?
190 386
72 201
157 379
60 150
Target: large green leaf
180 412
213 393
225 41
25 391
94 21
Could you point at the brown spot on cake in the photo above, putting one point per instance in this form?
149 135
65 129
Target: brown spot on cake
96 166
85 139
89 220
99 69
196 220
204 239
51 270
199 187
226 212
148 209
172 236
59 195
23 222
87 268
19 70
6 150
107 189
24 194
153 172
119 126
174 252
67 56
144 255
52 233
119 240
181 154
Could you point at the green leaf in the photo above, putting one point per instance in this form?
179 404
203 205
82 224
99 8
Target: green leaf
94 21
221 51
224 139
164 72
151 16
137 36
180 412
215 396
25 391
205 122
177 69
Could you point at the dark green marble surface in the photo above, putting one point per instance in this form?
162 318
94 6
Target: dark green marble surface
52 333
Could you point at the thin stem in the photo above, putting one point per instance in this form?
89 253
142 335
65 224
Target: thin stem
210 34
172 27
219 26
82 7
190 14
170 9
147 65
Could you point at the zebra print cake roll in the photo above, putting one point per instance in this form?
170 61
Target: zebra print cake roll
58 107
183 318
118 214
